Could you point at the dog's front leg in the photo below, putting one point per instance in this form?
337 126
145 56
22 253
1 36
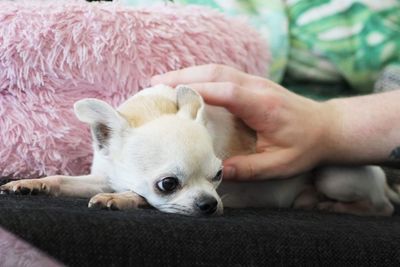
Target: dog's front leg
59 185
118 201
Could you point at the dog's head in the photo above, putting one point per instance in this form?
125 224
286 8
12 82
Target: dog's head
169 160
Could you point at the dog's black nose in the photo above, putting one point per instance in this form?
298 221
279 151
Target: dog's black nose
207 205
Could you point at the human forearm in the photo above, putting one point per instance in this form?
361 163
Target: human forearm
365 129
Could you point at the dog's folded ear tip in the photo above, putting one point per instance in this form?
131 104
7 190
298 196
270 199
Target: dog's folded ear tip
82 104
185 94
79 109
89 101
190 103
78 104
90 109
184 89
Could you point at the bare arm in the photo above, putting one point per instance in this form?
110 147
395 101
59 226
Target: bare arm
366 129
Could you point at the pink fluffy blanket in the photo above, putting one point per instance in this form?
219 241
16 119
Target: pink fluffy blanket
54 53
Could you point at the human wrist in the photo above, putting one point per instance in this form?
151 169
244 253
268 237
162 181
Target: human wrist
363 130
332 137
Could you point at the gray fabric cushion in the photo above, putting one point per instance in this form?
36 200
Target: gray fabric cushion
77 236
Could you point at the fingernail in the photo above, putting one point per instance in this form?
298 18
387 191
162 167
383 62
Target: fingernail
155 80
229 172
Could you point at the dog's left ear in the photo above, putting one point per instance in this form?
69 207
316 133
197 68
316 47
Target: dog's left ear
190 104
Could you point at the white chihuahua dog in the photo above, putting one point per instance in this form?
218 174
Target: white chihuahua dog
164 147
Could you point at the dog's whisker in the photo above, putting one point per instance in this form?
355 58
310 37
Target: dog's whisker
174 208
172 204
224 196
177 209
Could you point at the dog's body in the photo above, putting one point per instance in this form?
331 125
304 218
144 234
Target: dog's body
165 147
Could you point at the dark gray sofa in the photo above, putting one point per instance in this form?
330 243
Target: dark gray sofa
68 231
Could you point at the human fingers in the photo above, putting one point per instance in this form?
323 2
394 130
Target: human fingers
256 108
245 104
205 73
260 166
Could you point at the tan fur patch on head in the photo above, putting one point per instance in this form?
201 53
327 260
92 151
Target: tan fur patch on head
142 109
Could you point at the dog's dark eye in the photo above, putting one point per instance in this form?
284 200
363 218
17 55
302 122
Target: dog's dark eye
168 184
218 176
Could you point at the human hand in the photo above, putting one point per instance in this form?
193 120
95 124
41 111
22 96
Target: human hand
292 131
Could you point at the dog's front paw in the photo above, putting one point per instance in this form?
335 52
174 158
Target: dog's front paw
29 187
117 201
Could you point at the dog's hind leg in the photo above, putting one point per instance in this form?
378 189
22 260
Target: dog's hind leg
356 190
59 185
362 208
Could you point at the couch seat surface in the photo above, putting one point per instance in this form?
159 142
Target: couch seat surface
77 236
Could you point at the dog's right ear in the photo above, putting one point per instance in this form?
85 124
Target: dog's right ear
104 120
190 103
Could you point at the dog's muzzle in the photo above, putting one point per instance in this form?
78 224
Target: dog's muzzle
206 205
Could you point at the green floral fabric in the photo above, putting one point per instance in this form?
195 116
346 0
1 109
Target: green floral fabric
268 17
327 41
335 39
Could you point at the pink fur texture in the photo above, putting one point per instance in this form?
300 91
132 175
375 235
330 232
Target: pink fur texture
54 53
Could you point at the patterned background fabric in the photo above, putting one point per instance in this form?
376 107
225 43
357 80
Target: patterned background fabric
336 39
326 41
